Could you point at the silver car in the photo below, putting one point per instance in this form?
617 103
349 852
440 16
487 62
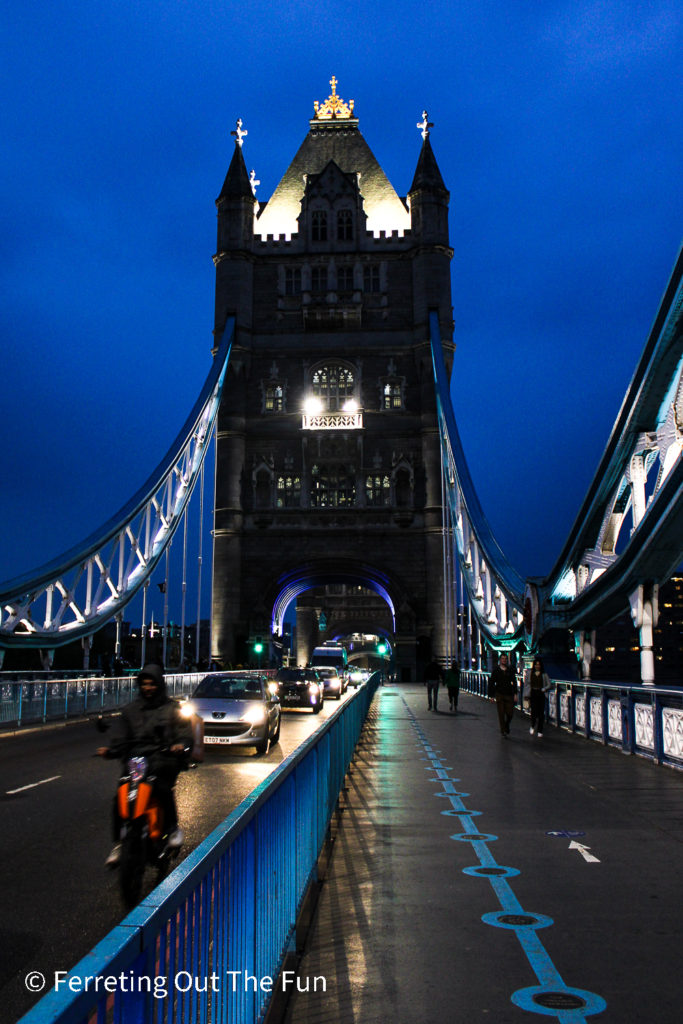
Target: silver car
334 682
236 709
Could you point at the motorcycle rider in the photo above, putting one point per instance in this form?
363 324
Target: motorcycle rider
151 726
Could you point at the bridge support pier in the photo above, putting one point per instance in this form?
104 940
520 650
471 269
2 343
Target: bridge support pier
645 614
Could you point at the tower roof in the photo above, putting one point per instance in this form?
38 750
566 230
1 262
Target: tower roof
237 184
334 135
427 173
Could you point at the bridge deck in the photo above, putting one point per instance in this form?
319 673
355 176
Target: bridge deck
399 933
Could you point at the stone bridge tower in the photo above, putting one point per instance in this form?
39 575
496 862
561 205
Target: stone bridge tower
328 467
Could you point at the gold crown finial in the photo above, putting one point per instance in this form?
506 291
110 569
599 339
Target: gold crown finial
334 106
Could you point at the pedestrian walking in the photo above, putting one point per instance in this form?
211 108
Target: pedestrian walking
503 687
452 682
432 677
537 686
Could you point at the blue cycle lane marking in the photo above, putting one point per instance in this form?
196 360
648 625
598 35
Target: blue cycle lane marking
551 997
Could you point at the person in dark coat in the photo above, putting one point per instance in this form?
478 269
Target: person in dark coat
151 726
452 681
432 677
503 688
538 685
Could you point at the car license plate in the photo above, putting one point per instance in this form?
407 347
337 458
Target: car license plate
217 739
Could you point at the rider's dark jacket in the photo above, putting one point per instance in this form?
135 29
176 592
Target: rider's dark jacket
147 728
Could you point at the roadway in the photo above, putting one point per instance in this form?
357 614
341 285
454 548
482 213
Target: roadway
58 900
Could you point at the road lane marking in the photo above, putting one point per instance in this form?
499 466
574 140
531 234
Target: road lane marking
551 997
32 785
583 850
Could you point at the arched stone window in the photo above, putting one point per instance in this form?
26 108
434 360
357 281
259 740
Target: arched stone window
333 485
273 397
345 278
344 225
392 394
333 384
319 279
319 226
288 491
377 489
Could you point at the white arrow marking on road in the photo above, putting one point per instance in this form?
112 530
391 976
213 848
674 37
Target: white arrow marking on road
583 850
11 792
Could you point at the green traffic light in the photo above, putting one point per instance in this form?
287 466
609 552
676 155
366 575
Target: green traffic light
258 648
381 648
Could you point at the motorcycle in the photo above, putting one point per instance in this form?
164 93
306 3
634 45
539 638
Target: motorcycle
143 839
143 836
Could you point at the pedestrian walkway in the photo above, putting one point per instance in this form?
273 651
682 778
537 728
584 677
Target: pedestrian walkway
477 877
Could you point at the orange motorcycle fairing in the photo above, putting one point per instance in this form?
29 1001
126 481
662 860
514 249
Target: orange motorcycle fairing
122 799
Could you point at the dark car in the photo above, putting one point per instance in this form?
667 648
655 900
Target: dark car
300 688
237 709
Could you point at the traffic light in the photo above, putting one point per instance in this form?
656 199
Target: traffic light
381 647
258 645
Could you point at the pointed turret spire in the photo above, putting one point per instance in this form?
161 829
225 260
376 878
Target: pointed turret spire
237 184
427 173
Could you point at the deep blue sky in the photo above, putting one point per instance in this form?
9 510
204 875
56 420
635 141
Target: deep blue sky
558 133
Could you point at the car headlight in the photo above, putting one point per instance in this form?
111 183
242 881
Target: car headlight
313 688
254 716
187 709
272 688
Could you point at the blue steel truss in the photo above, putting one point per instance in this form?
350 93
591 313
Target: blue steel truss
628 535
75 594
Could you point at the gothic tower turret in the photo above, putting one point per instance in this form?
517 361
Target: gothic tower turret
236 207
428 201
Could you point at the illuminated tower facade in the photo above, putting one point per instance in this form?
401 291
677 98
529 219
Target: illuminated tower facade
328 467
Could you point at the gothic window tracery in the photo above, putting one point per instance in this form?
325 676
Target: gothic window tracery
371 278
318 279
288 491
333 384
344 225
292 280
333 485
377 489
319 226
392 394
345 278
273 397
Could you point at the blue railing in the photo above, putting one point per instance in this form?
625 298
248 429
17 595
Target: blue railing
209 942
643 720
31 701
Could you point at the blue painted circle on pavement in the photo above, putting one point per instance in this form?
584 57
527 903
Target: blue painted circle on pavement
505 919
547 1000
466 813
474 837
451 794
495 871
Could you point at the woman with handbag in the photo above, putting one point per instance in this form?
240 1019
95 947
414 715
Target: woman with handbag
538 684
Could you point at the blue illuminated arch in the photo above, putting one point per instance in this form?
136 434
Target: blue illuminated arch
310 576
